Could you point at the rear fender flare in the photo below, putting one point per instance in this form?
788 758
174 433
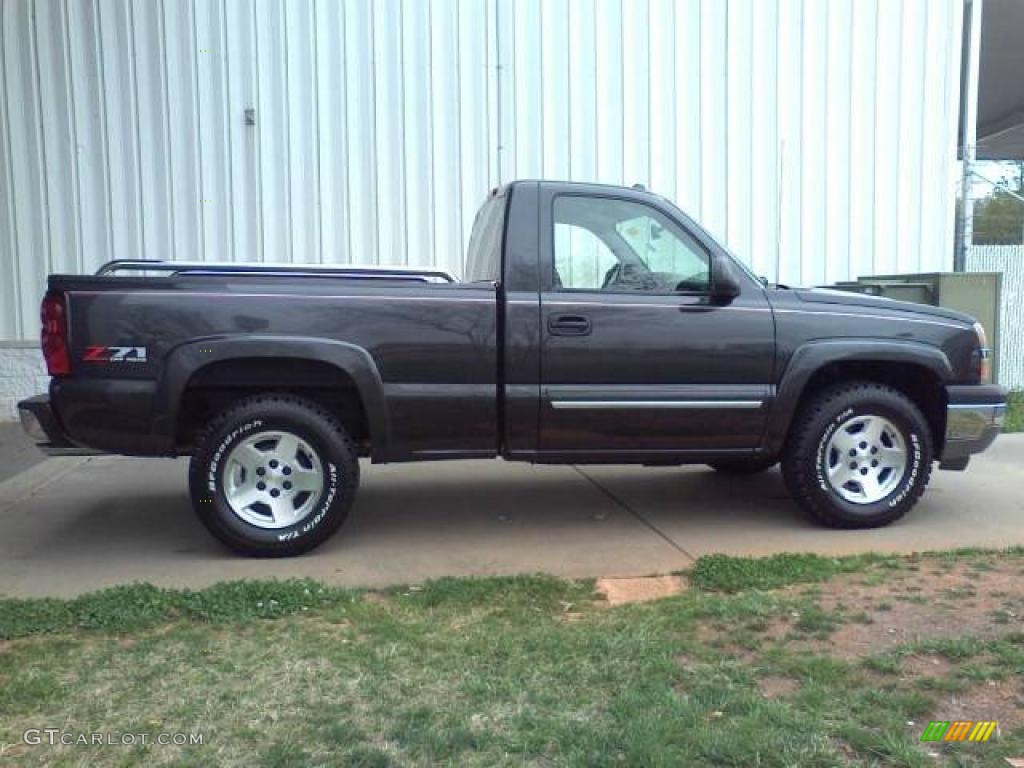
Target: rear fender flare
186 359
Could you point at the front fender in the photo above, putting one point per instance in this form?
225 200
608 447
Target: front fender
814 355
185 360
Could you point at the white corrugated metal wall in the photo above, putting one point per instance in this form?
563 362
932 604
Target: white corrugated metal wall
816 136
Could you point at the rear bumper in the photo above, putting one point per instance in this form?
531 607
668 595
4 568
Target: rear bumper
974 417
41 424
83 416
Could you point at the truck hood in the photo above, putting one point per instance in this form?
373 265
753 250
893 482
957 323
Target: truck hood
847 298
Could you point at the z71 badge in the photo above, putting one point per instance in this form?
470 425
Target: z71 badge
115 355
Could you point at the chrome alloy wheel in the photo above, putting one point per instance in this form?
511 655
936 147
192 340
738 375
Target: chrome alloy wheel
865 459
273 479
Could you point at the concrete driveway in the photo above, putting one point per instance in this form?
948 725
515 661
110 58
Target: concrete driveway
70 525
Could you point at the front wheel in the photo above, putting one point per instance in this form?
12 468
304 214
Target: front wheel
273 476
859 455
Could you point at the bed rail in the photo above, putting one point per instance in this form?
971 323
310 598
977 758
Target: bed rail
349 272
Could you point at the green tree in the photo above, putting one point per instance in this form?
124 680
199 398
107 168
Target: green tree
999 218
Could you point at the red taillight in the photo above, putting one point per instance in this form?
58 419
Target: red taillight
55 335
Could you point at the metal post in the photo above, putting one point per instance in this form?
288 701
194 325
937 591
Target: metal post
1020 190
969 121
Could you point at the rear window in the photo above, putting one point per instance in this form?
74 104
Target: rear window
483 261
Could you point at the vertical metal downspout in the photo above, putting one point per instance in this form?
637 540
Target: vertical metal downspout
969 123
499 147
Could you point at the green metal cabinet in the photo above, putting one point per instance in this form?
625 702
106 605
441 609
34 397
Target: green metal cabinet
976 293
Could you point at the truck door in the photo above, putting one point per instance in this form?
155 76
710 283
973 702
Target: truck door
638 360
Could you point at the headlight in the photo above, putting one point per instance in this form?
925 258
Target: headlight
984 354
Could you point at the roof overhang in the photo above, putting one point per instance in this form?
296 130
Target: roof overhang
1000 126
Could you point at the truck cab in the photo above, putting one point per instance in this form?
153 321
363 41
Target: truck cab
629 334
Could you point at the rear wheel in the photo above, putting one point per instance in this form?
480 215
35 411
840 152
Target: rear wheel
859 455
273 476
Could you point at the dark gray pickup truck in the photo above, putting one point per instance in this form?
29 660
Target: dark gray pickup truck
594 324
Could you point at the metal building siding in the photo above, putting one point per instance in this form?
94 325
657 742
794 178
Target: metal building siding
816 136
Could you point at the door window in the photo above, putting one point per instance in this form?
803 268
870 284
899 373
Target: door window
607 244
581 259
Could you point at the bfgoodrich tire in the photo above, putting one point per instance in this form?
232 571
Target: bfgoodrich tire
273 476
859 455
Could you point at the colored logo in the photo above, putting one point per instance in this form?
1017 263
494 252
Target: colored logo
115 355
959 730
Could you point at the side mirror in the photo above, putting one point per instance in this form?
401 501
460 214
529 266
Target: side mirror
725 284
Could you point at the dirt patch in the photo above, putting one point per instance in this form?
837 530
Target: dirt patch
776 687
720 638
619 591
999 700
933 602
919 667
896 627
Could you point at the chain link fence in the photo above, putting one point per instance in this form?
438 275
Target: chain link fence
996 224
1009 260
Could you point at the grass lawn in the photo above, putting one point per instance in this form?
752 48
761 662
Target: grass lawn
1015 412
786 661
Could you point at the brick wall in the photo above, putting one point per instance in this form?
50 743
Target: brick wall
22 374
